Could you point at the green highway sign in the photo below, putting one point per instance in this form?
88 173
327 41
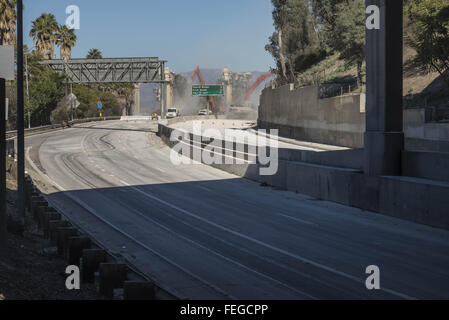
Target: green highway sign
207 90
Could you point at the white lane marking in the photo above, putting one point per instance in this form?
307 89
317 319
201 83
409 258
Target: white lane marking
230 260
94 212
266 245
296 219
157 169
204 188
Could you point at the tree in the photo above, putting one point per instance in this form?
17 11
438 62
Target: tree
430 35
301 40
8 18
349 34
65 39
295 37
125 91
279 12
43 33
341 24
94 54
325 11
46 90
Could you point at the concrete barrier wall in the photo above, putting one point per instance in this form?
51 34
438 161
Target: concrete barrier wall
426 165
414 199
300 114
421 134
191 118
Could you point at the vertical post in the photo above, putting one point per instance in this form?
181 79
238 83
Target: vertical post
71 101
384 137
26 77
163 89
20 115
2 165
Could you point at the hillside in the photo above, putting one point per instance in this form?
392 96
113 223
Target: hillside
420 88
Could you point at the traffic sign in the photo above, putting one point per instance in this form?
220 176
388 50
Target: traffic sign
207 90
99 106
7 62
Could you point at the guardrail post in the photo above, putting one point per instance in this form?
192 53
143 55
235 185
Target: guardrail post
75 248
53 227
2 166
91 262
134 290
112 276
63 235
50 216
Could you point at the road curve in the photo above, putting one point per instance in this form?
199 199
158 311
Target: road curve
202 233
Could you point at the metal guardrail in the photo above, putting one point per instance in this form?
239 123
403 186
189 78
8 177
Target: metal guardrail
11 135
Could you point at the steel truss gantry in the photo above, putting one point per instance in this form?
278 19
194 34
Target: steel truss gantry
120 70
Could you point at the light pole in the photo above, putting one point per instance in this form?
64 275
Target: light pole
20 115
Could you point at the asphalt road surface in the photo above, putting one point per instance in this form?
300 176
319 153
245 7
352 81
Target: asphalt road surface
202 233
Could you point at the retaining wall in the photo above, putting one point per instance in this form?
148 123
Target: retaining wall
415 199
300 114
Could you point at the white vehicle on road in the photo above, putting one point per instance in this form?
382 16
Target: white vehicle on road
172 113
204 112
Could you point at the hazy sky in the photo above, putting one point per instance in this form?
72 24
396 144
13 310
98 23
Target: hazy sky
208 33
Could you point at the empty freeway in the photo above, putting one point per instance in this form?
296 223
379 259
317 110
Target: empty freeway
202 233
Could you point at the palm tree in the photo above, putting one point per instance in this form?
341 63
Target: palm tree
65 39
8 18
94 54
43 32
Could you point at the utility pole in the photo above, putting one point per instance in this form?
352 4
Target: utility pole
2 165
20 116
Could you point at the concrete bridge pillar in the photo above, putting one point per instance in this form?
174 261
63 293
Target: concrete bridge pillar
384 137
169 99
136 104
227 77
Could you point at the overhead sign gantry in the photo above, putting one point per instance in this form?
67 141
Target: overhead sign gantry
111 70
